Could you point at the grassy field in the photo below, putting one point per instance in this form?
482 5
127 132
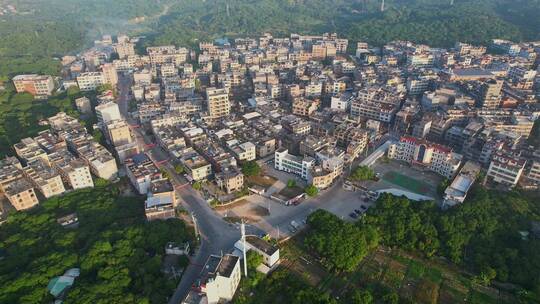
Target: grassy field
406 182
412 277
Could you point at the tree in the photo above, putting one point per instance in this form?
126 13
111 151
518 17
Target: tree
253 260
360 297
441 187
179 169
362 173
197 185
165 173
119 253
311 190
340 245
291 183
251 168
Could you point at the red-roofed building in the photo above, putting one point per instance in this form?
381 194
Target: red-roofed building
437 158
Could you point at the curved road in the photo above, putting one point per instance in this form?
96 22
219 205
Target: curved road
216 235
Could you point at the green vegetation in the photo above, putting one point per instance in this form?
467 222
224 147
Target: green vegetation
251 168
280 287
179 169
118 252
20 114
441 187
197 185
482 234
48 29
362 173
311 190
291 183
340 245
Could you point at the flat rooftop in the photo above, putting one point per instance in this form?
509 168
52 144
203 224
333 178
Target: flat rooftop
261 244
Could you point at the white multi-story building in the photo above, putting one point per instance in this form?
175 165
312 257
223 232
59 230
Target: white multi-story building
219 279
75 172
107 112
90 80
506 168
437 158
341 102
245 151
141 171
300 166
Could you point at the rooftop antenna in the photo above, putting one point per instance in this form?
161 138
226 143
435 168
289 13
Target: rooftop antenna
382 6
243 230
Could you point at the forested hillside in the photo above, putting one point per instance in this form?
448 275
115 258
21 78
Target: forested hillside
40 29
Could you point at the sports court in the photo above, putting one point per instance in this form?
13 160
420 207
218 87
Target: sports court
407 182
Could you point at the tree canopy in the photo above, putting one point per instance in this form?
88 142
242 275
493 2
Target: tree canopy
483 234
251 168
362 173
340 245
118 252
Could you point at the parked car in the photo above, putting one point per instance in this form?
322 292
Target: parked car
363 207
357 211
353 215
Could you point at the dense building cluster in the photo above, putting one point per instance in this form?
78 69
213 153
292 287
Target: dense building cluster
304 101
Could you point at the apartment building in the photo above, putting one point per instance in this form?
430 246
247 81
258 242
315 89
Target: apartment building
110 75
296 125
45 178
37 85
230 179
10 170
167 54
21 194
108 112
196 166
439 159
217 102
534 172
304 107
29 150
141 172
506 168
84 105
220 278
300 166
161 201
124 49
90 81
375 104
245 151
75 172
118 133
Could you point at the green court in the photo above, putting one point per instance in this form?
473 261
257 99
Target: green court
406 182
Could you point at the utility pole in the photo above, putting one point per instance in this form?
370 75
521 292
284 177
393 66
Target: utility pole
451 2
382 6
244 249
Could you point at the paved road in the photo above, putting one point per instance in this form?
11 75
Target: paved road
216 235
